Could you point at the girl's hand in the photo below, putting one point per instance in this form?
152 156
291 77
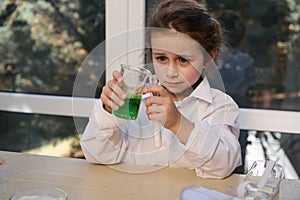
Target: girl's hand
161 108
112 95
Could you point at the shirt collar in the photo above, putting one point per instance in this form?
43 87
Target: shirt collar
203 91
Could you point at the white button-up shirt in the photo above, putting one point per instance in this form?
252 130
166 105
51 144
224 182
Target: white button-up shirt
212 149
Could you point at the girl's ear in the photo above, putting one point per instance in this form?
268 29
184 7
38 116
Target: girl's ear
211 58
213 54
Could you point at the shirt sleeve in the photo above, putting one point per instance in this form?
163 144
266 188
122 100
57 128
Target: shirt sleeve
102 140
213 146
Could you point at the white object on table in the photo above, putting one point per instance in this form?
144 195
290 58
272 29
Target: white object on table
269 167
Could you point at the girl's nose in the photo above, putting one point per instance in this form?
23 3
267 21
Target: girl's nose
171 70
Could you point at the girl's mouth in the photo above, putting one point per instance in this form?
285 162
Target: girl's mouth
173 84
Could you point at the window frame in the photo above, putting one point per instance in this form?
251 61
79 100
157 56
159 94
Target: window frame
122 16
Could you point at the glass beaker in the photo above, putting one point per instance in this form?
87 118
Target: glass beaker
134 80
41 193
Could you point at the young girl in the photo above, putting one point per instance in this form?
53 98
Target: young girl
198 124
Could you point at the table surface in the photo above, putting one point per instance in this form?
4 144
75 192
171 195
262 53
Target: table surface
82 180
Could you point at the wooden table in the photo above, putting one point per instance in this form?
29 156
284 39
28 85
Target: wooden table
85 181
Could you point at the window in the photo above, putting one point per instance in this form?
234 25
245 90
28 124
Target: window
42 46
265 68
43 43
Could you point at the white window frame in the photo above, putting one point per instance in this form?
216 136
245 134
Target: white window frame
124 15
250 119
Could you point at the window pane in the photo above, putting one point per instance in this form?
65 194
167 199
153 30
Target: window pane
43 43
41 134
42 46
261 67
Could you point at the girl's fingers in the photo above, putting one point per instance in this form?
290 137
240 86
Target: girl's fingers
116 89
157 90
108 103
159 100
106 98
153 100
156 113
112 94
154 109
117 76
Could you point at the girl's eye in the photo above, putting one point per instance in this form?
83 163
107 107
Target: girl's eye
183 60
161 58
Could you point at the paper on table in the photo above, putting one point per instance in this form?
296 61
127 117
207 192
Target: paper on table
196 192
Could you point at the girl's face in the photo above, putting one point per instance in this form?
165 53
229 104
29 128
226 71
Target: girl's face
178 62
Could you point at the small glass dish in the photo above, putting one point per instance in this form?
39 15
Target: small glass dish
261 182
40 193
